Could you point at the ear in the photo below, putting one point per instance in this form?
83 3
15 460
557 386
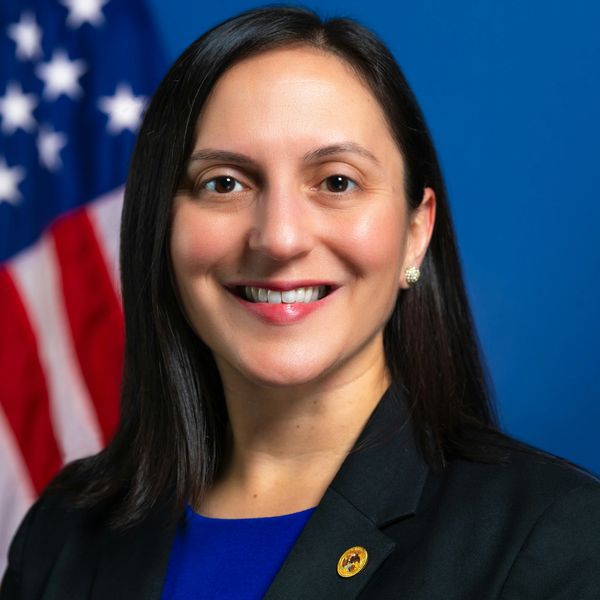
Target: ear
420 228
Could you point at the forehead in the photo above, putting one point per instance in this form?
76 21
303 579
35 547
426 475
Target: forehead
301 94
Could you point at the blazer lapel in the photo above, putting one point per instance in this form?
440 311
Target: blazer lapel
379 483
73 570
133 564
99 564
310 570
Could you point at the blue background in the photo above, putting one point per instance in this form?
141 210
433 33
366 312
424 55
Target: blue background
511 91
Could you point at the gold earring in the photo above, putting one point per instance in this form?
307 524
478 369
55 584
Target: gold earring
412 275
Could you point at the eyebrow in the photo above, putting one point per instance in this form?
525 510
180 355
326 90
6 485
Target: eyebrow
210 154
221 156
342 148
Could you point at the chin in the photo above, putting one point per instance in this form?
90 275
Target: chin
284 371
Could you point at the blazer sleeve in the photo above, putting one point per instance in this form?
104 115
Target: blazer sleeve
560 558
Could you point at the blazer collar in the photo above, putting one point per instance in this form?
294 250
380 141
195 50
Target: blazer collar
380 482
384 475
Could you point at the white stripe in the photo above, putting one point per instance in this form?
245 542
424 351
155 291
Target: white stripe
105 216
36 275
16 489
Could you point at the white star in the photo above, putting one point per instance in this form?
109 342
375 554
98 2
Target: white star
84 11
49 145
9 182
27 36
60 76
124 110
16 108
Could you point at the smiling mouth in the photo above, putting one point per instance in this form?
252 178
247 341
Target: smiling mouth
301 295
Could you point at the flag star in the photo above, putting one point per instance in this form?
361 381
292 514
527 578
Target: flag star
84 11
124 110
16 108
27 35
60 76
49 145
9 182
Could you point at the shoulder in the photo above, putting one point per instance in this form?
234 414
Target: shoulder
524 474
526 479
43 534
561 550
521 488
62 547
540 513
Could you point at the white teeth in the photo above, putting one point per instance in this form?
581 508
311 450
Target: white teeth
289 296
306 295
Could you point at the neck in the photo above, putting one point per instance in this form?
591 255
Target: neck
287 443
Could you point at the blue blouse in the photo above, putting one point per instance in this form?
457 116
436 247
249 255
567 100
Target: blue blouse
226 559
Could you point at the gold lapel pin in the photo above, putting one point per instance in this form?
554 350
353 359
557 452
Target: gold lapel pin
352 561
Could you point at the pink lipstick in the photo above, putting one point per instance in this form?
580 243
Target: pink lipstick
282 302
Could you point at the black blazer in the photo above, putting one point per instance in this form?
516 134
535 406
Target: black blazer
529 529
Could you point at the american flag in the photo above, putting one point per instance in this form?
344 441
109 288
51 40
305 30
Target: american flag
74 79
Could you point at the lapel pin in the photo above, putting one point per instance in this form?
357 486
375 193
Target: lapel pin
352 561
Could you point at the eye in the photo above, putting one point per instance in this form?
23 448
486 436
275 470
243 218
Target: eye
338 184
222 185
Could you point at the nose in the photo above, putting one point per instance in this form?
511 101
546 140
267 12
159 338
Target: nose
282 227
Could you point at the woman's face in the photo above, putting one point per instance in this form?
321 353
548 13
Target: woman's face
291 233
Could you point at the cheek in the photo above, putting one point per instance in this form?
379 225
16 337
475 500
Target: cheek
374 241
197 243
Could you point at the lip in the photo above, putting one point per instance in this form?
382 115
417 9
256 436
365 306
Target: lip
281 314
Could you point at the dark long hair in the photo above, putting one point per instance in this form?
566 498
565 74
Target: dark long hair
172 435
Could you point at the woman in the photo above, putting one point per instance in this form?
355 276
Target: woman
304 411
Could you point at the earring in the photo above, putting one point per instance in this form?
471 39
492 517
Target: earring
412 275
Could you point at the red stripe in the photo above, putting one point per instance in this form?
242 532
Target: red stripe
24 396
94 313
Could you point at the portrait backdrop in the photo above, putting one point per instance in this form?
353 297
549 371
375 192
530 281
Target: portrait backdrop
510 91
